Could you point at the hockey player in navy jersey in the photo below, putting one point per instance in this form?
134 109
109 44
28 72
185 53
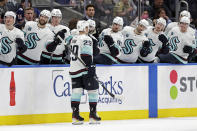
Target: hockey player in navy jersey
110 40
37 37
57 56
182 44
158 42
12 40
83 77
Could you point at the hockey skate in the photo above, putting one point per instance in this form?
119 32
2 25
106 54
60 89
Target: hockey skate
76 118
94 118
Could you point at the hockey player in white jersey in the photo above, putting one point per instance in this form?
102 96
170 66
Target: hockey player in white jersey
133 40
12 40
83 77
158 42
57 56
171 25
92 30
110 40
182 43
37 37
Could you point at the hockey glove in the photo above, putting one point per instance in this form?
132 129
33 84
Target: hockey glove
91 70
109 40
187 49
145 51
163 39
146 44
111 45
61 33
20 45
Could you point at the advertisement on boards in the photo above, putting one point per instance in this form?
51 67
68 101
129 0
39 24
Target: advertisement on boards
48 90
177 86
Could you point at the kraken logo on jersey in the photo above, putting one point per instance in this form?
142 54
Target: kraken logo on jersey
5 43
173 43
31 40
152 44
129 44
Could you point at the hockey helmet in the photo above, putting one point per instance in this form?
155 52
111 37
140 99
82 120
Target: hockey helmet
81 25
162 21
144 23
46 13
185 20
91 23
118 20
185 13
56 12
10 13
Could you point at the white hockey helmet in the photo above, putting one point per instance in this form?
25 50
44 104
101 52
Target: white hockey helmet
56 12
82 24
91 23
144 23
10 13
162 21
185 13
46 13
118 20
185 19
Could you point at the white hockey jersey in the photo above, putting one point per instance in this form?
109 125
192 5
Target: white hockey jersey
175 24
60 48
178 40
132 44
80 44
36 40
8 45
117 37
156 44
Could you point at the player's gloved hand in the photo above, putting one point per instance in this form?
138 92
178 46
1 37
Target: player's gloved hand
91 70
163 38
109 40
145 51
187 49
61 33
20 45
146 44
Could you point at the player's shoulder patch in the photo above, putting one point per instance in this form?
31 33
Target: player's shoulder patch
172 33
29 28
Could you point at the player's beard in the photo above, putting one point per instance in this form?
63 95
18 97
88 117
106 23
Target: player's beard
42 22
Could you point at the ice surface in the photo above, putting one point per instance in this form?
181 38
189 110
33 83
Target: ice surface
162 124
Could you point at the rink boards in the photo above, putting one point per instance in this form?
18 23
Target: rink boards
155 90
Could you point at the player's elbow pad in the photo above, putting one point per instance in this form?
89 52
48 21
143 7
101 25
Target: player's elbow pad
51 47
87 59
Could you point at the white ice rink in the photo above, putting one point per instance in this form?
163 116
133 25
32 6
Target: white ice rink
164 124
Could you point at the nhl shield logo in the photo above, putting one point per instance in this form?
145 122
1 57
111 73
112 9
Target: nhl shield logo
29 28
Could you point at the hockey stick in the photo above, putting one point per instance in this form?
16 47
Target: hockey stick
82 62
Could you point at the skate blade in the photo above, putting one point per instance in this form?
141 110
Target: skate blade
93 121
76 122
